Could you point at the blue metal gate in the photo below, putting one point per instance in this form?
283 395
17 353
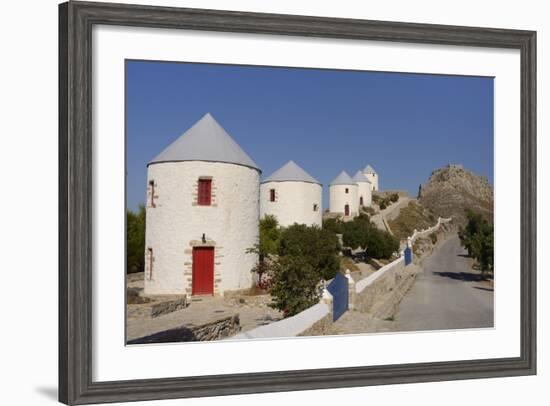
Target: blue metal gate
408 256
338 288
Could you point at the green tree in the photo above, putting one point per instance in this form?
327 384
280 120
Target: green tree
268 245
305 256
333 225
355 232
317 246
135 240
362 233
381 244
478 239
295 285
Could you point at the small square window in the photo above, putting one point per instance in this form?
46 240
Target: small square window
347 190
271 195
315 207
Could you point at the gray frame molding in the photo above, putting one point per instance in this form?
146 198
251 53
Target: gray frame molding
75 179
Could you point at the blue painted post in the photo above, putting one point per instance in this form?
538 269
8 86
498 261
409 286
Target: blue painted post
338 288
408 255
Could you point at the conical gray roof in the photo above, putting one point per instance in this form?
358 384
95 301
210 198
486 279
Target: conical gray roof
360 177
290 172
369 169
342 179
206 140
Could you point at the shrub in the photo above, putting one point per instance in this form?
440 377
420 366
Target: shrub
394 197
294 286
305 256
381 244
361 233
333 225
317 246
478 238
382 204
135 240
270 235
355 234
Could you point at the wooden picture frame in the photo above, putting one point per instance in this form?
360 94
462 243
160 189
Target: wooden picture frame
76 20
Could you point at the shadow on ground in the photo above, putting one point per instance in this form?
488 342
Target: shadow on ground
486 289
177 335
461 276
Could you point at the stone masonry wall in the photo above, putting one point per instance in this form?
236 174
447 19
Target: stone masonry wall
382 297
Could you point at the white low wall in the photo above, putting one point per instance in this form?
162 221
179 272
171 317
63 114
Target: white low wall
430 230
292 326
316 318
369 280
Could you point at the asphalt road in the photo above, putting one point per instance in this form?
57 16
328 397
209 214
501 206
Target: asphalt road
448 294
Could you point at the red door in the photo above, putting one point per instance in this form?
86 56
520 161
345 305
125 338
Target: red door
346 210
203 270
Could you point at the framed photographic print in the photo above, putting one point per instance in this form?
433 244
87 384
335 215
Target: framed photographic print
258 202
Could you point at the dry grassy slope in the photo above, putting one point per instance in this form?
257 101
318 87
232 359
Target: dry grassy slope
452 189
412 217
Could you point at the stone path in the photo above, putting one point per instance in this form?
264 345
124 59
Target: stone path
390 212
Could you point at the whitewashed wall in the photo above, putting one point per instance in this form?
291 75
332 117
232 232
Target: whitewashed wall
373 179
338 198
364 189
293 202
231 223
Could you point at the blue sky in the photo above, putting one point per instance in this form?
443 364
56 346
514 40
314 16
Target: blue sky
404 125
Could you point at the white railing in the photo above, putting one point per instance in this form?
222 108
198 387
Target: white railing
369 280
428 231
291 326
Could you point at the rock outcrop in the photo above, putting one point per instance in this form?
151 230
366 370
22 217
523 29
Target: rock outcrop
452 189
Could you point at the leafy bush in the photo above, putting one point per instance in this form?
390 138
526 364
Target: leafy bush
381 244
333 225
394 197
294 286
305 256
361 233
135 240
383 204
478 239
355 232
270 235
317 246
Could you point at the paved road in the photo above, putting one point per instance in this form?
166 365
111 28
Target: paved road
447 295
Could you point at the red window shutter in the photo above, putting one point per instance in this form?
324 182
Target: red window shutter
205 192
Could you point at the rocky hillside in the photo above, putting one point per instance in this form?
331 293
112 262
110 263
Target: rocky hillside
452 189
